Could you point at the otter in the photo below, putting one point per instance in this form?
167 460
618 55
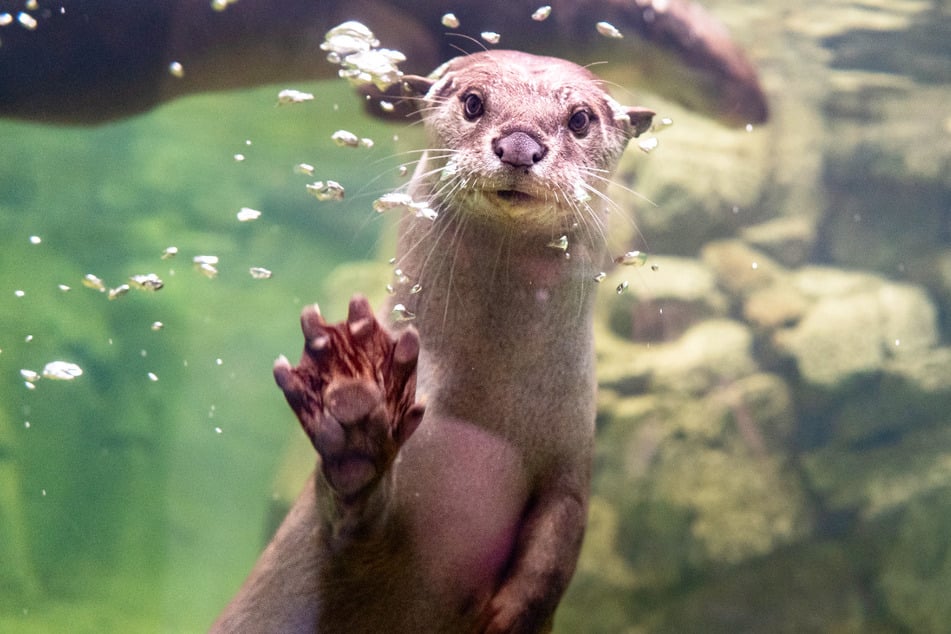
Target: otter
456 441
89 62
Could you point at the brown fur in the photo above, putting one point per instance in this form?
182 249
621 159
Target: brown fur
468 517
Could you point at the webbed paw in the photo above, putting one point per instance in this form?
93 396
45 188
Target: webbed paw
354 394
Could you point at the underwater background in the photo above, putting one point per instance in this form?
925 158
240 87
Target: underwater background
774 430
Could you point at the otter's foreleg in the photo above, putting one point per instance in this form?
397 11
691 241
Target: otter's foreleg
546 553
354 394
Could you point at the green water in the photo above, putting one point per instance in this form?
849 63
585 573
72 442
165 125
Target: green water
129 503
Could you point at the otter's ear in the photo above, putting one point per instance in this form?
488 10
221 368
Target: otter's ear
641 120
416 86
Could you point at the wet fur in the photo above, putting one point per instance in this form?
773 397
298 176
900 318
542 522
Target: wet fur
473 517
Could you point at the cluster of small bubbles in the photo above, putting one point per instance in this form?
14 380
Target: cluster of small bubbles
401 313
246 214
560 243
632 258
147 282
401 277
600 277
648 145
450 21
621 287
326 190
207 265
221 5
541 13
175 69
157 325
60 371
305 169
260 273
289 95
354 47
491 37
169 252
608 30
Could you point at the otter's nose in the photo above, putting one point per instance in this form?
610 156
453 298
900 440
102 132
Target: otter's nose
519 149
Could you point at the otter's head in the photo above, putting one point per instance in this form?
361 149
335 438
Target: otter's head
520 138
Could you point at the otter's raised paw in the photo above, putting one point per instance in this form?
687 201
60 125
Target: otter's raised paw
354 394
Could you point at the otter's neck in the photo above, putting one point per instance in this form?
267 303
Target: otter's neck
504 320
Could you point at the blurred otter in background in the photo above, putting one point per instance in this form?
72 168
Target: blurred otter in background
91 61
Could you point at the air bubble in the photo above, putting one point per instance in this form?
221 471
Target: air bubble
119 291
329 190
559 243
61 371
147 282
343 138
246 214
541 13
608 30
648 145
289 96
632 258
401 313
93 282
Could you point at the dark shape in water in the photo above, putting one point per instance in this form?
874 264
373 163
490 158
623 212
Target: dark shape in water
98 60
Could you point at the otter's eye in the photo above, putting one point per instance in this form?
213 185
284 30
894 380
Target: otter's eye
472 106
580 122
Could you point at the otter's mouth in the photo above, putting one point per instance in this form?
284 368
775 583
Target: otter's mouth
514 196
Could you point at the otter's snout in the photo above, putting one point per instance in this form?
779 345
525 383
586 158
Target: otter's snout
519 149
